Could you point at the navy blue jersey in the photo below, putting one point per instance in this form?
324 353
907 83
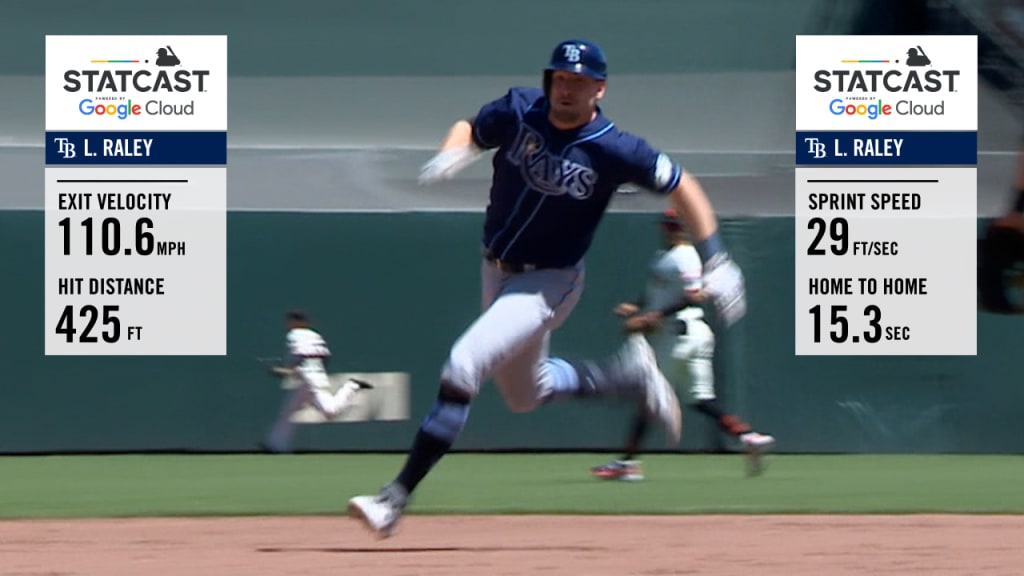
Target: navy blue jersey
550 186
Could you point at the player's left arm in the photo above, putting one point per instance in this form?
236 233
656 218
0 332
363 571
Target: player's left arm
694 207
724 282
657 172
691 293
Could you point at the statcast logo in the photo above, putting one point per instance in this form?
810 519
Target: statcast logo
888 76
164 79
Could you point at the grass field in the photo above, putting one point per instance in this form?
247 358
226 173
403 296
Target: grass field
185 485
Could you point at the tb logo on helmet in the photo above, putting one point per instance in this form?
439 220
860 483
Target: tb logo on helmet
578 57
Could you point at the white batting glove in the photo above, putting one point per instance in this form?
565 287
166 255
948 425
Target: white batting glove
725 286
444 165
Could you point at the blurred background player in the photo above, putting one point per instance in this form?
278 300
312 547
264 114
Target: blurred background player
671 314
306 363
1001 255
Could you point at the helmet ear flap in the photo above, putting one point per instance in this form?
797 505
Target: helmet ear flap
547 83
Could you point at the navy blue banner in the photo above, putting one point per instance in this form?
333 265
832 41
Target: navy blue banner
136 148
886 148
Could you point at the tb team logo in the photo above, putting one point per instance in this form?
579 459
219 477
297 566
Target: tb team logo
65 147
571 52
547 173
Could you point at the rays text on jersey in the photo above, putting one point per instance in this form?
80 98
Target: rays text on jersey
547 173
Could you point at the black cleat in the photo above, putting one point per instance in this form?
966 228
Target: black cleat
363 385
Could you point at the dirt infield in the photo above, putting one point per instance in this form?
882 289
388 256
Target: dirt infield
479 545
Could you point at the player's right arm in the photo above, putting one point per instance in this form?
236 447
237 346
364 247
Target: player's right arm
457 152
460 135
494 125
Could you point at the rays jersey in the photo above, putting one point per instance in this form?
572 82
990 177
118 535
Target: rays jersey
551 187
307 350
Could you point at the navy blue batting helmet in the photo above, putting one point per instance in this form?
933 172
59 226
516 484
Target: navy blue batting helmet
577 56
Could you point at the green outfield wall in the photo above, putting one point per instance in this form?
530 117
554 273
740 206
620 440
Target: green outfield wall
391 292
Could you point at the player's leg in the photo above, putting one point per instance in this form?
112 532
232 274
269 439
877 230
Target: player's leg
696 351
516 319
630 375
520 311
516 376
637 433
674 356
329 403
512 319
530 378
627 467
279 438
527 377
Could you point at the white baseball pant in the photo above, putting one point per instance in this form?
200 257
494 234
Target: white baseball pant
687 360
314 388
509 341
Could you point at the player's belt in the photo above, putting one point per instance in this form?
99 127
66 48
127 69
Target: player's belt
511 267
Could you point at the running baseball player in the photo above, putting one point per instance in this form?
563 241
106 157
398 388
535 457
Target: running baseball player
558 161
306 365
671 314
